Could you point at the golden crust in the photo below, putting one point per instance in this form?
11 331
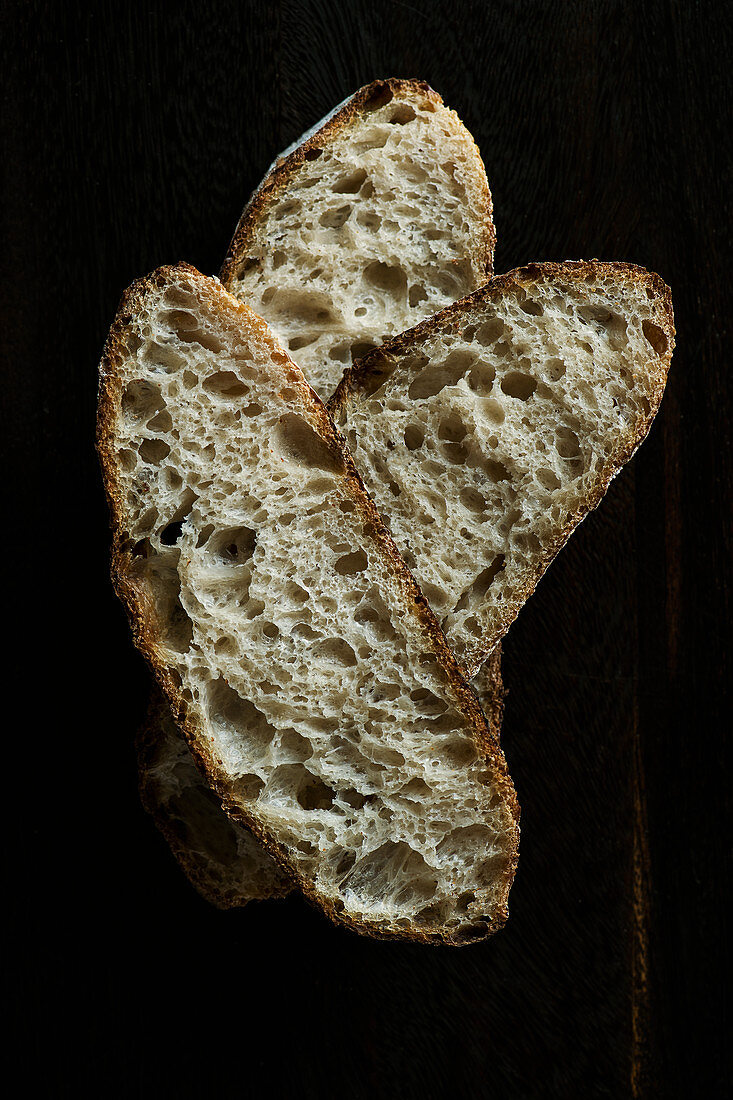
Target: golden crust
142 621
279 177
377 364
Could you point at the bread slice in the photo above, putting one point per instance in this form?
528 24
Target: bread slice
488 432
377 218
312 680
221 858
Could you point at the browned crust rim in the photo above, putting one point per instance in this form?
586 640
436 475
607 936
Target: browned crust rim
143 628
147 747
282 172
357 378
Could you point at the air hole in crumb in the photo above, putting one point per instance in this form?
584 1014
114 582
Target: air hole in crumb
547 479
154 450
489 332
567 443
554 369
204 535
533 308
481 378
349 185
437 376
595 313
313 154
417 295
452 428
236 715
380 97
225 384
234 545
334 219
381 873
315 795
414 437
248 787
519 385
301 444
495 470
392 280
493 410
474 932
416 790
336 651
171 534
345 863
248 265
464 901
180 323
369 219
656 336
295 745
473 500
162 422
351 564
141 400
299 342
402 114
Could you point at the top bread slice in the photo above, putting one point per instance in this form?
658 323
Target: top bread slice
488 432
378 218
312 680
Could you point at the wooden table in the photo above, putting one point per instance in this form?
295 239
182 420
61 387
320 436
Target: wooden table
132 134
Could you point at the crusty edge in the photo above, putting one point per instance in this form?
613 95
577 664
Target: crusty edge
147 743
143 625
281 174
375 367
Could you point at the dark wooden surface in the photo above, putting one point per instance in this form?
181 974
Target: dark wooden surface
132 134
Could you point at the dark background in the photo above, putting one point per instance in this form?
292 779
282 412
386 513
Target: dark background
132 136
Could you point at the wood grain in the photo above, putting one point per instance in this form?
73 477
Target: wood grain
132 134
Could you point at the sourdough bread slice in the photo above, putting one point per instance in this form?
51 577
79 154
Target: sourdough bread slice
312 680
378 218
221 858
488 432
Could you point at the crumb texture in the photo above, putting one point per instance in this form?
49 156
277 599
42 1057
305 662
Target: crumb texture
265 589
485 436
383 218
